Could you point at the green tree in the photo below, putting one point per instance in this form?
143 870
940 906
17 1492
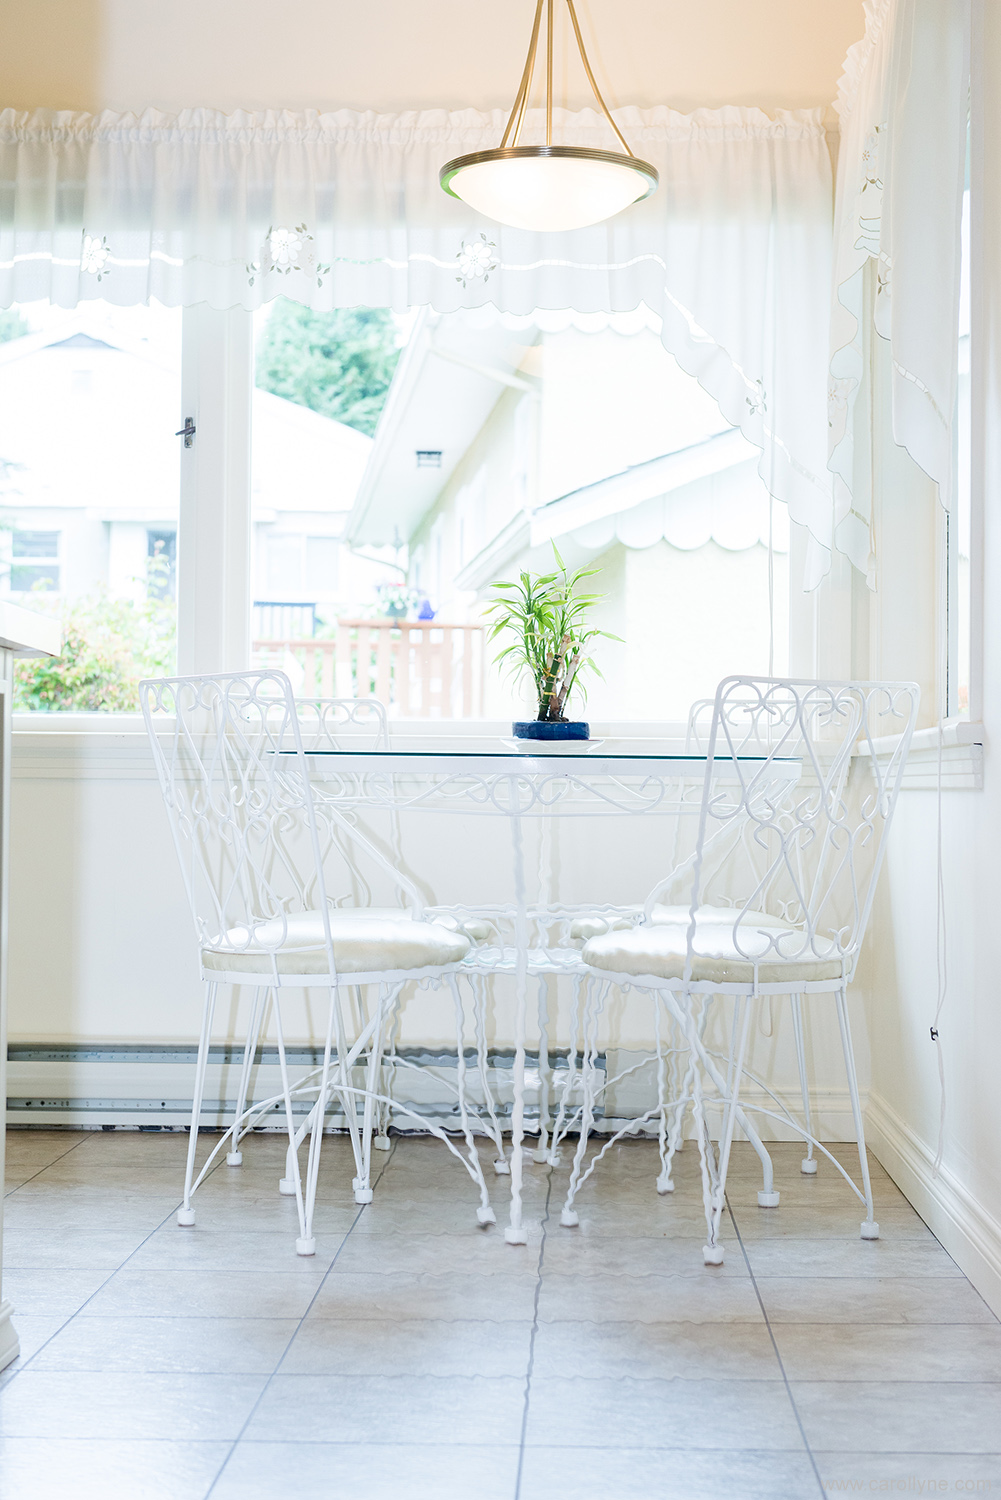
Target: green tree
13 325
338 363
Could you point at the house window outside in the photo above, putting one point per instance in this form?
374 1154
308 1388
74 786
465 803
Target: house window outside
25 574
89 495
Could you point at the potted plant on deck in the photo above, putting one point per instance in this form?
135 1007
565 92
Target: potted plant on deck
548 616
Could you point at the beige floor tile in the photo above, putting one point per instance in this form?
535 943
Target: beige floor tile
900 1417
703 1296
794 1220
269 1213
54 1212
89 1469
928 1352
482 1250
371 1347
458 1295
209 1294
639 1474
395 1471
650 1218
457 1410
655 1351
802 1299
911 1474
33 1333
169 1346
189 1408
50 1294
852 1257
68 1249
568 1254
173 1248
580 1413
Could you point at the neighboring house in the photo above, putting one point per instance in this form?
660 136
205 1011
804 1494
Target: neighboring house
90 473
503 436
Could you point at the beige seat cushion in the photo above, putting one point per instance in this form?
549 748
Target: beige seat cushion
661 952
594 924
364 943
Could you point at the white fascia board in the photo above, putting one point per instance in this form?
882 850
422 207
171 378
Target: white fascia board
401 390
620 492
490 561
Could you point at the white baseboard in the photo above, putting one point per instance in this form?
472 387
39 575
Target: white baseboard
971 1235
9 1345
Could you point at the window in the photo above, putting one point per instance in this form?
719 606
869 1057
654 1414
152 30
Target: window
25 576
957 524
89 495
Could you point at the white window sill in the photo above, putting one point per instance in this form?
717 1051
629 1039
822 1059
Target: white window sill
963 746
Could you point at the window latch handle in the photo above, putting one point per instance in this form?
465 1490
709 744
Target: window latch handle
187 432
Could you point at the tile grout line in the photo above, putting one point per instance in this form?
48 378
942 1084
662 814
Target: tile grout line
531 1341
111 1275
778 1356
61 1157
294 1335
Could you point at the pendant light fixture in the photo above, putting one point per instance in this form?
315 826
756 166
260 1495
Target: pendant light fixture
549 187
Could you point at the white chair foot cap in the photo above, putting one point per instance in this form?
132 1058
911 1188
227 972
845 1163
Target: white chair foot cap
665 1184
363 1195
870 1231
185 1217
540 1155
306 1247
554 1158
712 1255
234 1158
382 1143
486 1216
287 1187
569 1218
502 1168
768 1200
808 1166
515 1236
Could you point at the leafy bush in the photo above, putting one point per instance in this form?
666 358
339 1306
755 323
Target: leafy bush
109 645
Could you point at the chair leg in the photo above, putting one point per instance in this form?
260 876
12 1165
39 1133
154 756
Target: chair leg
808 1164
292 1158
363 1182
541 1153
484 1214
589 1051
713 1252
869 1229
559 1127
478 989
234 1156
306 1243
186 1214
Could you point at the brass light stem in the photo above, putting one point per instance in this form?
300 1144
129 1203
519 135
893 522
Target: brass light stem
591 79
549 72
524 88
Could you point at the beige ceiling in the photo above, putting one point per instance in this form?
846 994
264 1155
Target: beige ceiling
390 55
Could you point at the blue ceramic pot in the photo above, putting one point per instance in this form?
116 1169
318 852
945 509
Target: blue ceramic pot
543 729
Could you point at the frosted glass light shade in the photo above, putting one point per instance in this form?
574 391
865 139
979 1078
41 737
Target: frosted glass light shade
548 188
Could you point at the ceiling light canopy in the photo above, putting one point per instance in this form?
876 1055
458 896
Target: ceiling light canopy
549 187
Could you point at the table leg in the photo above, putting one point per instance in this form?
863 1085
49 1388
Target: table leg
515 1233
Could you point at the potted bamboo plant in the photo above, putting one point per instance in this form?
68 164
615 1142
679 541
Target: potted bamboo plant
548 616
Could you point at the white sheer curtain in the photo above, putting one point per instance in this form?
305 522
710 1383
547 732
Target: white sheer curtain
733 252
903 105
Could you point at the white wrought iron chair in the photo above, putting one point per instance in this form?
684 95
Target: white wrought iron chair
811 846
235 780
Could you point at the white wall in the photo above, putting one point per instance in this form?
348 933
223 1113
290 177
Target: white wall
389 55
962 1202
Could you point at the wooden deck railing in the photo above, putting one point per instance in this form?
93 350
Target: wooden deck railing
427 670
